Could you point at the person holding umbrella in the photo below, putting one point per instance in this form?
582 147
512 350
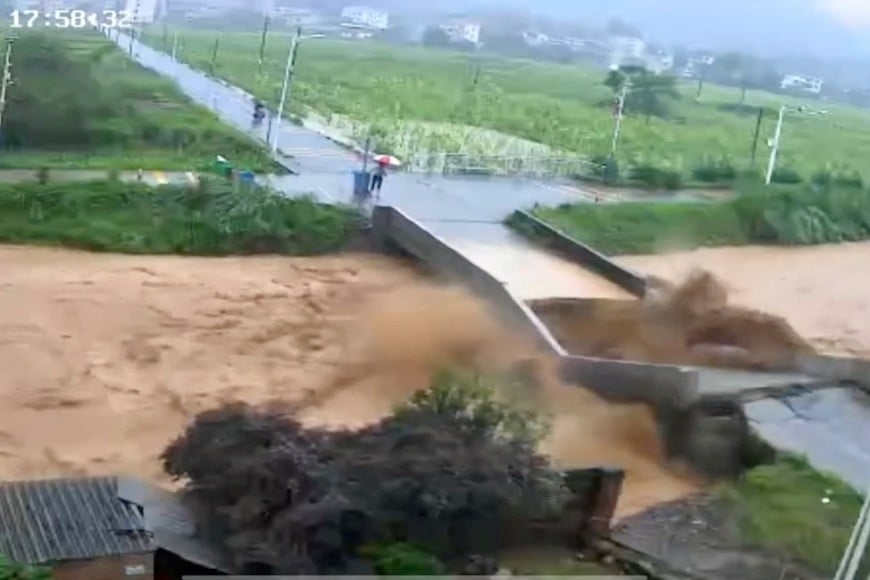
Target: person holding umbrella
378 173
380 170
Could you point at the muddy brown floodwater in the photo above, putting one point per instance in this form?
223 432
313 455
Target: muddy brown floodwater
823 291
107 357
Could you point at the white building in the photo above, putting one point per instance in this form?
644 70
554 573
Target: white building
802 83
462 32
365 16
696 65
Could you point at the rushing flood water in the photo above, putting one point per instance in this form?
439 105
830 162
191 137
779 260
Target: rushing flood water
823 291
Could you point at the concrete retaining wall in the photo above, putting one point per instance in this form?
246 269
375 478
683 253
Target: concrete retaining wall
389 225
661 386
578 252
853 370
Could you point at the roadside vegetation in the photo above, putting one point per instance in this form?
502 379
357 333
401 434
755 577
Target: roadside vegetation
210 219
77 101
800 215
791 509
415 99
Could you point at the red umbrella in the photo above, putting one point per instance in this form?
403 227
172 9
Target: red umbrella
388 160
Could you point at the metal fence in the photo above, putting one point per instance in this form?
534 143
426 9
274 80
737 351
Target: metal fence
538 167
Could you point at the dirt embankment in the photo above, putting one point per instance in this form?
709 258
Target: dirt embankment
108 357
689 323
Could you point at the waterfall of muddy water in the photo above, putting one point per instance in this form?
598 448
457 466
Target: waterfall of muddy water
106 358
821 290
405 335
688 323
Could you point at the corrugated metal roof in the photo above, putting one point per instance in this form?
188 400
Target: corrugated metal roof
68 519
173 525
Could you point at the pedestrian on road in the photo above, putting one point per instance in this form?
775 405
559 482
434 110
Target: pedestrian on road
378 174
139 175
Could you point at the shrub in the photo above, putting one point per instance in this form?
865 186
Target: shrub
786 175
11 571
760 214
447 473
405 560
136 218
715 172
657 178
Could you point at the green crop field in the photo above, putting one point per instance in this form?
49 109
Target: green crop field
424 100
77 101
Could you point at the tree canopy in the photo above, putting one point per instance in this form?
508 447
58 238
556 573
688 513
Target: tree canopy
449 472
648 94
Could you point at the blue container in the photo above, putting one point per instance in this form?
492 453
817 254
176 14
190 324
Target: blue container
247 176
361 180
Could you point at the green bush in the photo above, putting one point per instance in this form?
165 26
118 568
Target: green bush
405 560
657 178
715 172
11 571
802 215
786 176
209 219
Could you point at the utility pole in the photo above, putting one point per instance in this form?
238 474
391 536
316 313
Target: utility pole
263 43
774 147
288 79
7 80
214 54
288 74
175 46
757 133
618 114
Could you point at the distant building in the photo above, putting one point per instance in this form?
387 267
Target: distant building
695 66
365 16
462 31
801 83
296 16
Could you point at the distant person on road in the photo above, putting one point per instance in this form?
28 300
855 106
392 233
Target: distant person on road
259 112
378 174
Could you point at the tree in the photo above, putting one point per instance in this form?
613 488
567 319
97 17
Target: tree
648 93
733 69
449 472
434 36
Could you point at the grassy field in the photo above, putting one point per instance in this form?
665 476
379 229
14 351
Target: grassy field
790 508
566 108
78 102
133 218
782 215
